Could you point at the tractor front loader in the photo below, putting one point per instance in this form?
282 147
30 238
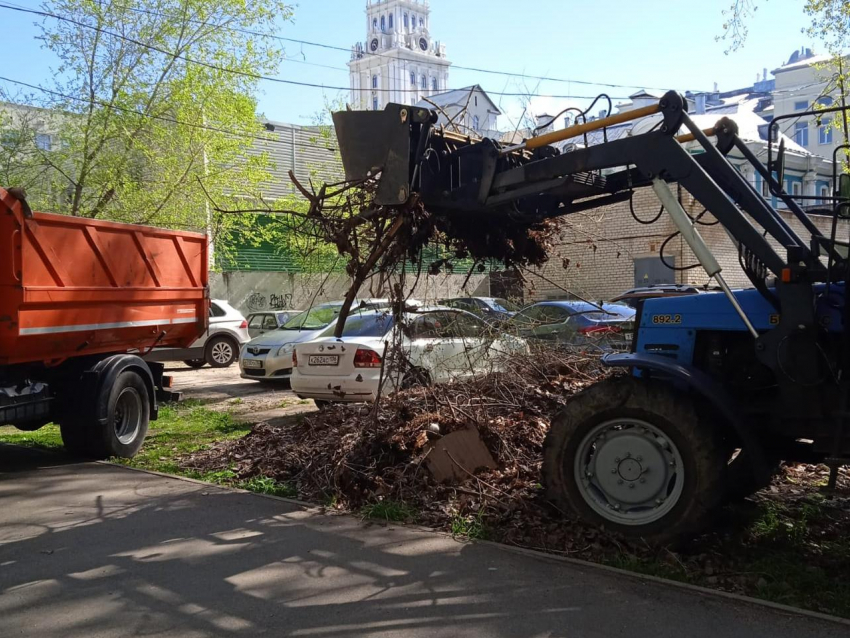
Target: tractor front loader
763 371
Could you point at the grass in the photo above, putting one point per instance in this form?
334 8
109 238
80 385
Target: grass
472 527
180 430
390 511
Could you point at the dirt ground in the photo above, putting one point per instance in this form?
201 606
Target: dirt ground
224 389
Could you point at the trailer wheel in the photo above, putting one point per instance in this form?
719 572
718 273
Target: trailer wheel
635 457
128 416
221 352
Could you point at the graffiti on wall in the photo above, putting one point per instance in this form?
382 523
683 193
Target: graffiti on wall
256 301
281 302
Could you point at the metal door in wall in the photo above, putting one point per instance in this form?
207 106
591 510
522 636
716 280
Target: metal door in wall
651 271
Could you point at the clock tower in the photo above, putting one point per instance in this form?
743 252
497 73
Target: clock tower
399 61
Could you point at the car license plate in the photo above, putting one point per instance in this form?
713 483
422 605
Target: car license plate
323 360
252 363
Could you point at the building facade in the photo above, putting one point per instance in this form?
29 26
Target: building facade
399 61
806 82
469 111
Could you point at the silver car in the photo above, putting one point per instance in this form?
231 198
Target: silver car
269 356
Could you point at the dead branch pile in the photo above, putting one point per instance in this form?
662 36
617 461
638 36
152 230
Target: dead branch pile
355 454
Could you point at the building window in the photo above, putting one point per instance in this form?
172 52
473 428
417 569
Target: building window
413 21
765 189
825 101
801 106
796 188
433 84
374 104
801 133
825 132
476 123
406 21
391 22
422 22
374 81
476 100
375 24
383 23
412 78
824 194
424 82
42 142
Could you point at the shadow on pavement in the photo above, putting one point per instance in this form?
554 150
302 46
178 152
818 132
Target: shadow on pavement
92 549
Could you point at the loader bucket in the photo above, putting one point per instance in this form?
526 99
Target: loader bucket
378 144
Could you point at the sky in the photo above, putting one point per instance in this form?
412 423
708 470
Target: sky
640 43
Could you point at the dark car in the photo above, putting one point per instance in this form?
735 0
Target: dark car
491 309
606 326
636 295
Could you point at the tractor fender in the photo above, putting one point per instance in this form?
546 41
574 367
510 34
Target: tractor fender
708 388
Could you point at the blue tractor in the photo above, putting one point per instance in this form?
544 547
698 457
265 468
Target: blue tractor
720 386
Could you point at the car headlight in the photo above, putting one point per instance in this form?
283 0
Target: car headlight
286 348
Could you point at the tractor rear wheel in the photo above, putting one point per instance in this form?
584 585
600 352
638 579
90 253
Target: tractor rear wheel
635 457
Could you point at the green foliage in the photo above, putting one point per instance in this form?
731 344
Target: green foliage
144 129
775 524
388 510
267 485
469 526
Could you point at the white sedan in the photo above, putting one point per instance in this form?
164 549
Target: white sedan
435 345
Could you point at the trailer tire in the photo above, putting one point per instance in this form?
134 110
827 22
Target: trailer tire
127 409
635 457
222 352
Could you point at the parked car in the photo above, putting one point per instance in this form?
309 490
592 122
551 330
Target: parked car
606 326
269 356
219 347
438 344
636 295
491 309
260 323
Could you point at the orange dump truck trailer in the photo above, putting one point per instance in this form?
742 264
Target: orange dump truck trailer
81 301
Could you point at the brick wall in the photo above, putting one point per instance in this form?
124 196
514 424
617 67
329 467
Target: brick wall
596 253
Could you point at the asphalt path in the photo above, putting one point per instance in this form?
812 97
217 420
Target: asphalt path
93 550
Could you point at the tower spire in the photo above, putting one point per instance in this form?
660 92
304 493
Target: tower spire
399 61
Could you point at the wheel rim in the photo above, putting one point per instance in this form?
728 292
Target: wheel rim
629 471
128 415
222 352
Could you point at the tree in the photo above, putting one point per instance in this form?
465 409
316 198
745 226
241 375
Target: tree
156 107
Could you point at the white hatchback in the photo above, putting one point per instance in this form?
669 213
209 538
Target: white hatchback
436 345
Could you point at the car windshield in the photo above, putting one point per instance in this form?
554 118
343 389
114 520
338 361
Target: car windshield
503 305
314 319
363 325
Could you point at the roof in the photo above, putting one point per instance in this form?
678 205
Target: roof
647 93
458 97
751 126
800 60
